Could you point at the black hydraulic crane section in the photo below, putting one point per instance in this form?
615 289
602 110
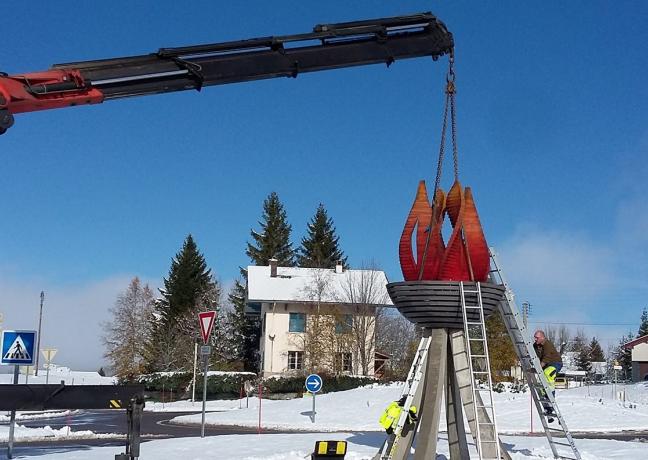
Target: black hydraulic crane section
329 46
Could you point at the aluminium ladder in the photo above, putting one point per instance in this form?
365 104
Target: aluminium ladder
409 390
479 365
539 387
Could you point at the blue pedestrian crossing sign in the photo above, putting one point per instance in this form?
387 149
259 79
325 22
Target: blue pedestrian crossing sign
18 347
313 383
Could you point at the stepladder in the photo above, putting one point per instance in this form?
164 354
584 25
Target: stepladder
408 394
485 425
542 392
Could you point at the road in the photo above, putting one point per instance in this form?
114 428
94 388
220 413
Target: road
154 424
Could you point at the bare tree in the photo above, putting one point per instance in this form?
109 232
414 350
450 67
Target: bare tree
397 337
126 334
363 291
560 336
319 334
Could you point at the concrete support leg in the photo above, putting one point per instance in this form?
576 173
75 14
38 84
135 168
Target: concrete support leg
457 442
435 379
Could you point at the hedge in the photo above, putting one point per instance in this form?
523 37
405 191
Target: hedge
228 385
331 383
222 385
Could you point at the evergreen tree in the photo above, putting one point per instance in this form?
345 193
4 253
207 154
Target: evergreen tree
583 362
580 347
624 356
595 351
643 326
245 331
274 239
188 290
188 279
320 247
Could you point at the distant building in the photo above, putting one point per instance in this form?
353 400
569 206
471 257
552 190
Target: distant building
570 376
639 347
288 301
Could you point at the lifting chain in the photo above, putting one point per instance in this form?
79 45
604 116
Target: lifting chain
450 91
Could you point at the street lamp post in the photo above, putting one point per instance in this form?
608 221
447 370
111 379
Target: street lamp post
40 321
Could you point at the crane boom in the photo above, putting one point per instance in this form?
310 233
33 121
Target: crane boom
329 46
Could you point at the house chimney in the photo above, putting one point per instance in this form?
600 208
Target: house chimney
273 267
339 268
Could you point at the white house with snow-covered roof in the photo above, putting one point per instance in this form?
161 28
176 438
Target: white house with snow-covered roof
315 318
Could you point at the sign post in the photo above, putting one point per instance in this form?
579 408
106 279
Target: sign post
17 348
206 320
616 369
313 386
49 354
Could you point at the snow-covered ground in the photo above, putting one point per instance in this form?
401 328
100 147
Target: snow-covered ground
359 410
353 415
58 374
188 406
299 446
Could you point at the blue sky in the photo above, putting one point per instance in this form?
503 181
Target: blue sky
553 137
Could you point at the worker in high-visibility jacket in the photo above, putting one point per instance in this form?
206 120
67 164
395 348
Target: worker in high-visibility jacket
389 418
551 363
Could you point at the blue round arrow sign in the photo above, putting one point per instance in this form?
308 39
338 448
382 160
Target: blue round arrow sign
313 383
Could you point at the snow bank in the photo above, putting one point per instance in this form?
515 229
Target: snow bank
22 433
31 415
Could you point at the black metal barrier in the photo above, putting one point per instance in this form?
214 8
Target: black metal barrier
48 397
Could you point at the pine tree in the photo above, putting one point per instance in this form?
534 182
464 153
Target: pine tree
245 330
643 327
188 290
624 356
126 335
320 247
583 362
274 239
595 351
580 347
188 279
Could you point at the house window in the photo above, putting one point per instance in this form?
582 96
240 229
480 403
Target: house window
343 362
343 324
295 360
297 322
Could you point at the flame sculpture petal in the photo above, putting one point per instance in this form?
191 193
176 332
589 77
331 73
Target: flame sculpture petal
475 239
466 256
436 247
419 216
454 265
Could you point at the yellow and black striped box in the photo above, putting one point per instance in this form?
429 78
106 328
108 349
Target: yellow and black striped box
329 449
115 404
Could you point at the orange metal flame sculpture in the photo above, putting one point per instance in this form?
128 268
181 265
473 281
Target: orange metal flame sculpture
464 258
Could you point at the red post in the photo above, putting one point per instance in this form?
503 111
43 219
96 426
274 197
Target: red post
531 411
260 395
